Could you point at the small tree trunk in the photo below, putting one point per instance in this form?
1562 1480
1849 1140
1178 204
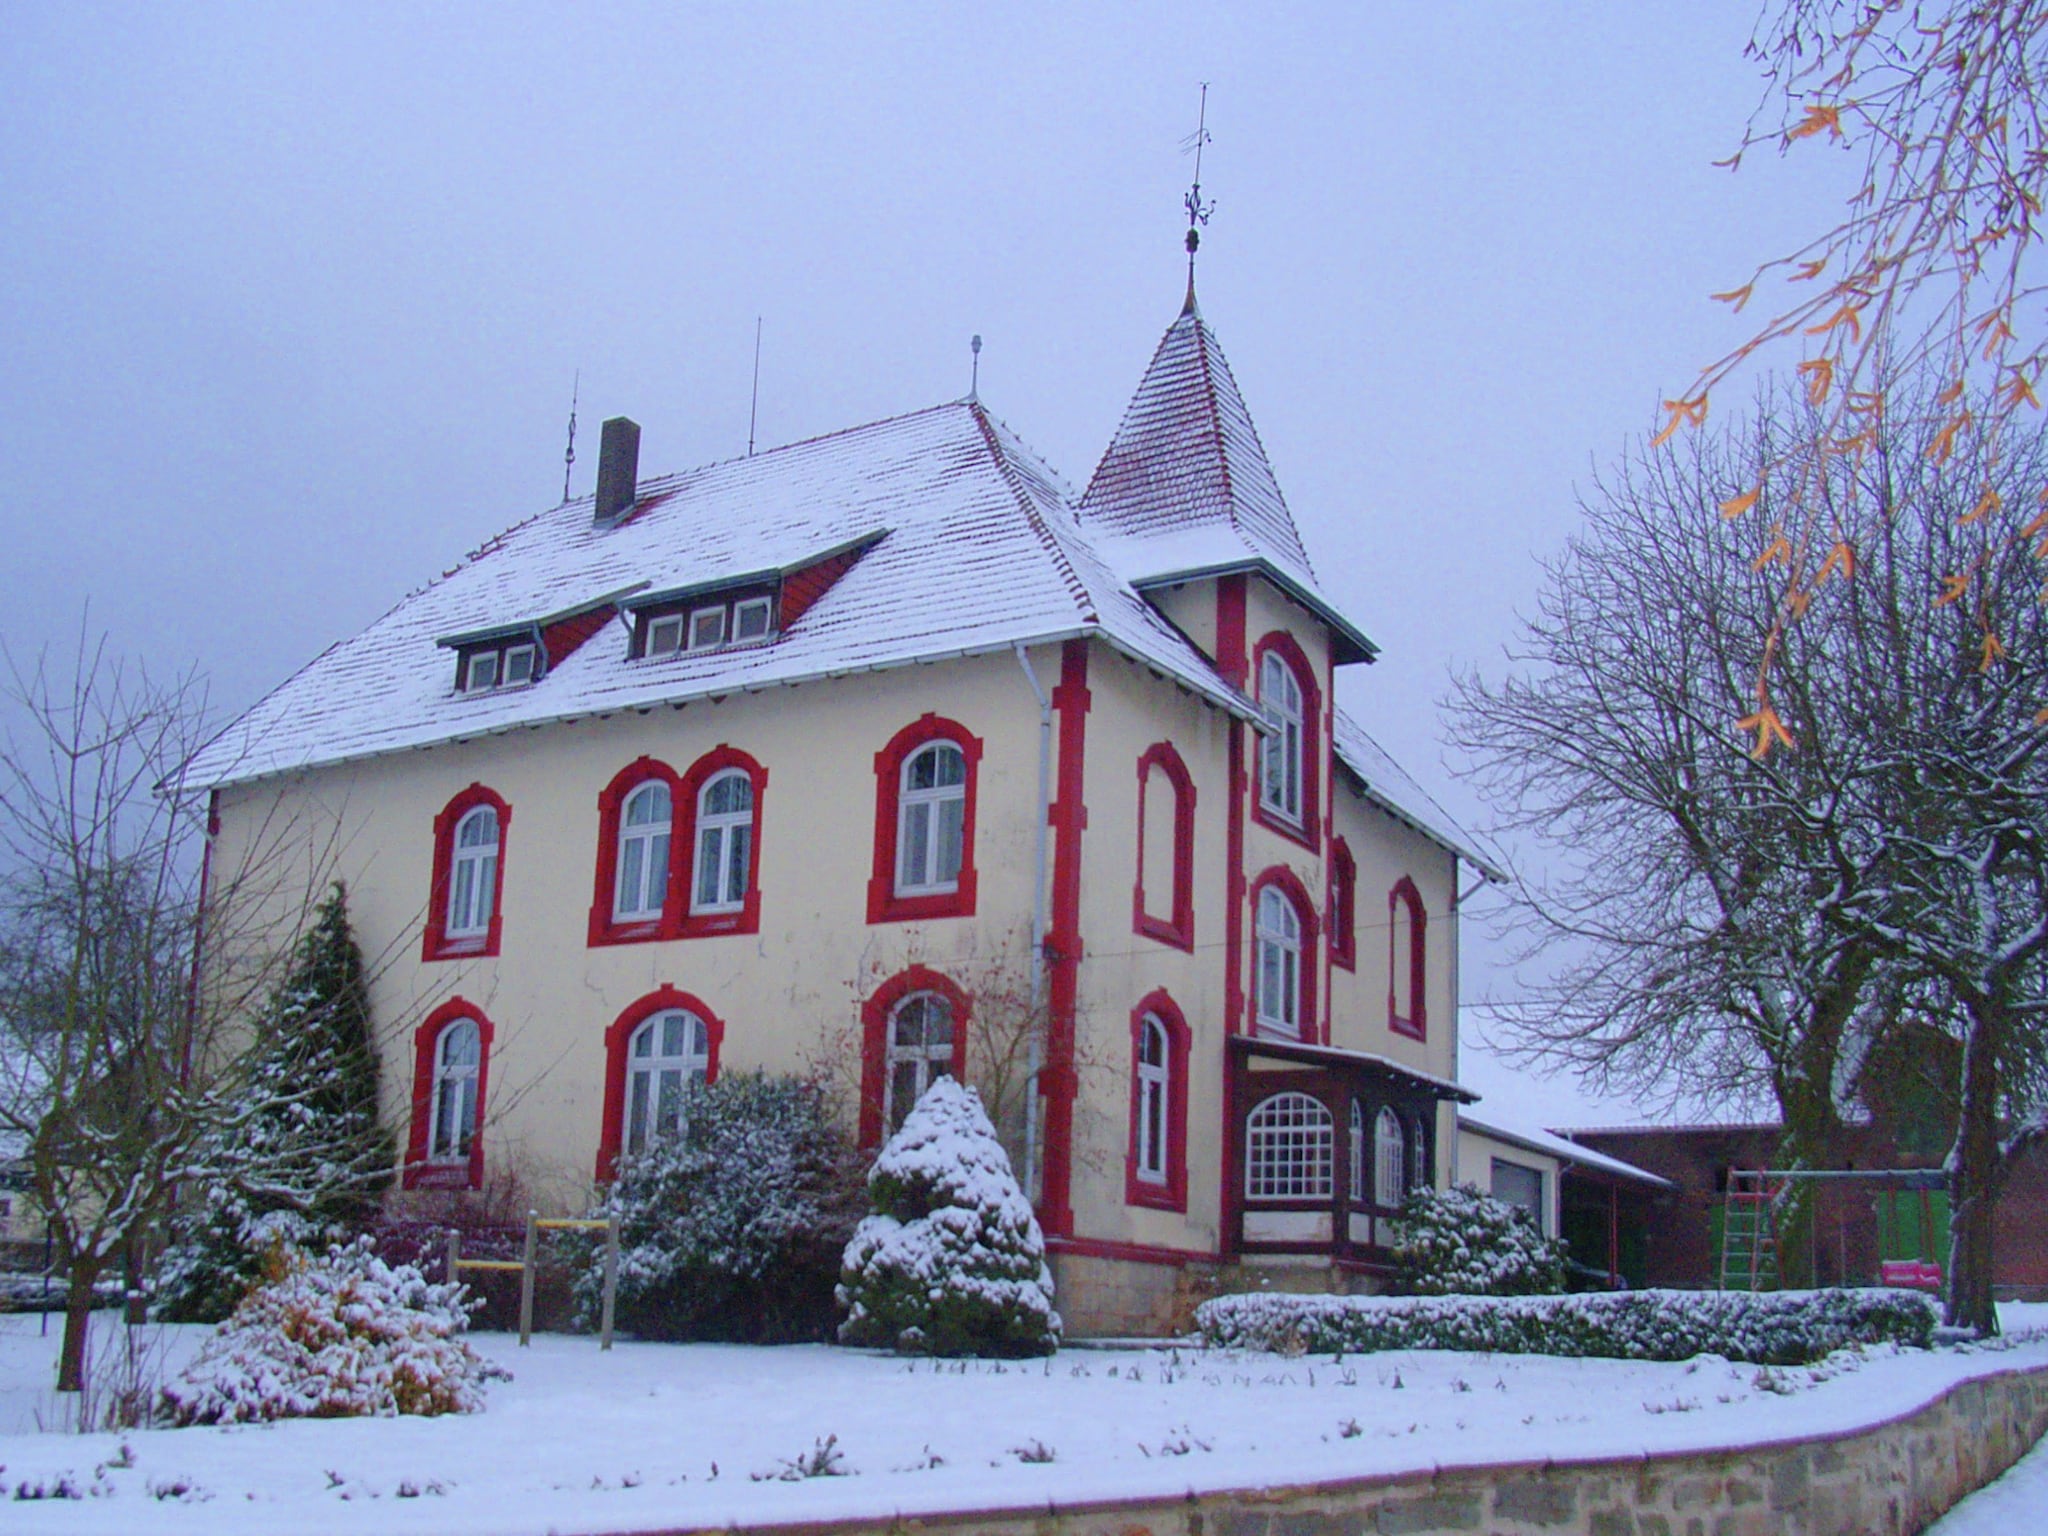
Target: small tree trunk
77 1325
1973 1179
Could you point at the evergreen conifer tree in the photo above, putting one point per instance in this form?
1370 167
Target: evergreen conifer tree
306 1158
952 1262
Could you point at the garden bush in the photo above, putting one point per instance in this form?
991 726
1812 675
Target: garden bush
952 1262
1459 1242
336 1337
1758 1328
733 1230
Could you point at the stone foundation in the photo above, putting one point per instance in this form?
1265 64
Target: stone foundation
1892 1478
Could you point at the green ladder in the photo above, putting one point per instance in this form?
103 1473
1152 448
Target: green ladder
1749 1233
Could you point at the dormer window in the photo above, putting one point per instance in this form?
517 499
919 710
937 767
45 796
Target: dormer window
503 664
706 622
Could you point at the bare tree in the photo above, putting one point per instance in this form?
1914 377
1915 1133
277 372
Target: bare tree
116 1068
1931 271
1737 924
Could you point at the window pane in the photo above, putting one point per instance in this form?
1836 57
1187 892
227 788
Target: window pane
739 852
462 885
519 664
728 794
657 871
486 888
479 829
636 1115
483 670
631 854
917 821
709 841
952 825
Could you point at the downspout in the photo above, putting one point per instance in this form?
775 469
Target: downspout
1034 1050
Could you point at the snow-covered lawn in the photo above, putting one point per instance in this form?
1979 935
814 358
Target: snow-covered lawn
662 1435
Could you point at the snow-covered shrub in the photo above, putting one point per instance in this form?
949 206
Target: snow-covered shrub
733 1230
299 1155
1459 1242
1758 1328
952 1261
337 1337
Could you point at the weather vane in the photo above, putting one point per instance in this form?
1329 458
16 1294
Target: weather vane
1198 211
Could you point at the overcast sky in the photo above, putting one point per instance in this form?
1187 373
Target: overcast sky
294 295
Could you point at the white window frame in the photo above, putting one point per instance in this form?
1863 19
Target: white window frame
528 653
1280 759
747 607
928 1060
1389 1159
1540 1211
725 847
646 874
711 620
457 1078
1356 1159
1155 1099
472 876
933 807
665 634
480 672
1279 959
1289 1151
647 1073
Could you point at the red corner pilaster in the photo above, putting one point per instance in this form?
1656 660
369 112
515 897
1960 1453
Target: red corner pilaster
1069 816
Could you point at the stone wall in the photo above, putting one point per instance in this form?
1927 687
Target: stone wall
1892 1478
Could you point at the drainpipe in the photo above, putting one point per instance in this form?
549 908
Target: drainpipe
1034 1051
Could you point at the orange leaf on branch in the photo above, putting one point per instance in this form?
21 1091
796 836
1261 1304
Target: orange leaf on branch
1770 731
1818 119
1820 372
1779 552
1841 561
1740 504
1994 652
1952 588
1684 413
1987 504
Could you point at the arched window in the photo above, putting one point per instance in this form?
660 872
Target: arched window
931 820
1420 1175
451 1059
452 1126
473 874
1164 902
1390 1159
669 1056
1407 957
1288 1151
1155 1082
1281 762
920 1050
644 824
469 876
924 823
725 842
1356 1149
1279 962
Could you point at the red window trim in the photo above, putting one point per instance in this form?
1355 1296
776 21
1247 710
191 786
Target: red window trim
874 1022
1173 1194
1178 929
617 1038
697 925
1304 910
1343 918
1418 953
1309 832
884 905
419 1173
604 927
435 944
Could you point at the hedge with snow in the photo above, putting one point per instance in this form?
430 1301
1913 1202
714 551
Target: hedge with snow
952 1262
337 1337
1758 1328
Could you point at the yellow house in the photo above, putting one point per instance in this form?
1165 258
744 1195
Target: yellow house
881 756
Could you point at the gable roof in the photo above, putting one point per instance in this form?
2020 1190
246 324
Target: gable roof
1387 784
971 547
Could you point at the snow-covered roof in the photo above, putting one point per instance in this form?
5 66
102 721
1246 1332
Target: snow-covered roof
1387 784
1335 1055
1550 1144
977 551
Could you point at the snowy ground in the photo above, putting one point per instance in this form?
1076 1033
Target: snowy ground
654 1435
2015 1504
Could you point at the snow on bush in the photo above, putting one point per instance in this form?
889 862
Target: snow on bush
1757 1328
338 1337
733 1230
952 1261
1459 1242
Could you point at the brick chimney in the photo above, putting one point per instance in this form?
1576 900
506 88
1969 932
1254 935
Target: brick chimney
618 470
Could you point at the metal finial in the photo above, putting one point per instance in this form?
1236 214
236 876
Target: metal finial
1198 211
569 457
754 405
974 381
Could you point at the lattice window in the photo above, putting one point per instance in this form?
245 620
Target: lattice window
1289 1149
